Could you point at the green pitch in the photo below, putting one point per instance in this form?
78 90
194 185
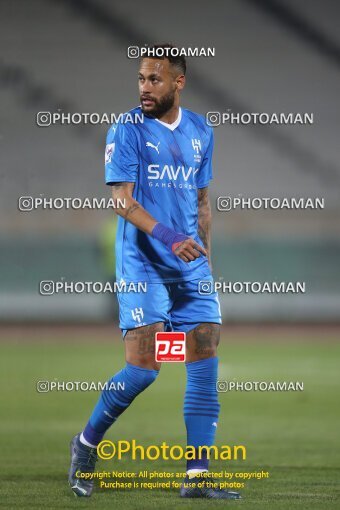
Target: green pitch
294 436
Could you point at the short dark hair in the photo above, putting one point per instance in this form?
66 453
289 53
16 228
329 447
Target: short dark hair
177 61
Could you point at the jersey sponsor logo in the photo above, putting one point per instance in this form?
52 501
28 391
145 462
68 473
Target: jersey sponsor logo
109 150
171 172
149 144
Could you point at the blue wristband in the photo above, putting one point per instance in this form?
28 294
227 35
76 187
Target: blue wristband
167 236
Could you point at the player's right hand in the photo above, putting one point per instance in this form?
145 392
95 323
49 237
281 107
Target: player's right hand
188 250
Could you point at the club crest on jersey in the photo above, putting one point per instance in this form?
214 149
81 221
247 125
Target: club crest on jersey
196 145
149 144
109 149
137 315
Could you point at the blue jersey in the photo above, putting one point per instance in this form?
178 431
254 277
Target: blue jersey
167 163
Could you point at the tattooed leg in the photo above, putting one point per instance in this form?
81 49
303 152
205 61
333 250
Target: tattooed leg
140 371
201 406
140 346
202 341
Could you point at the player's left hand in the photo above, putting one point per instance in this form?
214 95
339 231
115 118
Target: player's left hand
188 250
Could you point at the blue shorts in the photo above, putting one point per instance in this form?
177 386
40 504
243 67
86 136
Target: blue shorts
180 305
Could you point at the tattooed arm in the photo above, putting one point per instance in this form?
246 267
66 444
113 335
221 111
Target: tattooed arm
204 219
133 211
181 245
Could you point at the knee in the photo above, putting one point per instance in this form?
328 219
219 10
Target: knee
204 340
141 376
144 361
150 375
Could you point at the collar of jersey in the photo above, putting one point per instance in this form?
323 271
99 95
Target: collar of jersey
175 124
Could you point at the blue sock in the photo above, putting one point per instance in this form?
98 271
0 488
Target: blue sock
201 407
112 403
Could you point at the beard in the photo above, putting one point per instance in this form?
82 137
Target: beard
160 106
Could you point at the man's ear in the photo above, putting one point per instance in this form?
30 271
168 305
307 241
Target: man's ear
180 82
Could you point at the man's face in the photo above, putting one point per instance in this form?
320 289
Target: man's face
157 86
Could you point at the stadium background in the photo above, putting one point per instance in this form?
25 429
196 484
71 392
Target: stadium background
271 56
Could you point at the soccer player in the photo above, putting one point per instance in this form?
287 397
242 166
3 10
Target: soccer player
162 169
